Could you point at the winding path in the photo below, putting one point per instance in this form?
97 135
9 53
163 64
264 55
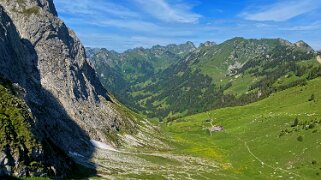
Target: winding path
264 164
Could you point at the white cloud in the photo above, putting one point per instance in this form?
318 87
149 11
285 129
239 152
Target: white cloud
90 8
282 10
124 24
306 27
133 17
135 25
162 10
103 14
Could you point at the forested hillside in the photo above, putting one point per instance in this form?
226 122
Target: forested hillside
235 72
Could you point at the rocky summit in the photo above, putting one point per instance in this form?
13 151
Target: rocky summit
69 108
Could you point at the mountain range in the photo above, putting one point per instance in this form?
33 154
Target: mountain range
242 109
235 72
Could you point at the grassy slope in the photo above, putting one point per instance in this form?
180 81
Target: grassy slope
139 80
14 116
15 130
258 143
214 62
251 145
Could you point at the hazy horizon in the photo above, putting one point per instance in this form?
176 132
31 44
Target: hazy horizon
195 44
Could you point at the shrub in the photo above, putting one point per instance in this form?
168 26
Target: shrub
315 131
311 126
312 98
295 122
30 11
282 134
300 139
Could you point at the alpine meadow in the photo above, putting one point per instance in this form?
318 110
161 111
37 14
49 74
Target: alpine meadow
160 89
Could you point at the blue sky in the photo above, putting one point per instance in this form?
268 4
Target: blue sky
124 24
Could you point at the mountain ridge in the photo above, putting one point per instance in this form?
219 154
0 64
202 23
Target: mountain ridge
213 64
58 121
72 113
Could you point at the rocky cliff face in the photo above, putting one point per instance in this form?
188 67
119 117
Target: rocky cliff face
69 105
25 148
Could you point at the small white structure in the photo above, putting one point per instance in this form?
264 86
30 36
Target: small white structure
216 128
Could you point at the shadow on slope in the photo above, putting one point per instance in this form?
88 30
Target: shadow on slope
65 144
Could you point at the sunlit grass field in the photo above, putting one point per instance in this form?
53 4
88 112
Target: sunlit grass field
260 140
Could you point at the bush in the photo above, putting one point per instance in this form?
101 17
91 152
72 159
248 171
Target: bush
311 126
30 11
312 98
282 134
300 139
295 122
315 131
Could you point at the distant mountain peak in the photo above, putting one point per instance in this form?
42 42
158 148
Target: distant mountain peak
190 43
302 44
207 44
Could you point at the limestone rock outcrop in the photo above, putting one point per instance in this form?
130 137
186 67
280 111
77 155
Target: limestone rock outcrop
69 105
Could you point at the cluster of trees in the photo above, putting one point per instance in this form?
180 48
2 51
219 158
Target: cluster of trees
192 91
196 92
299 125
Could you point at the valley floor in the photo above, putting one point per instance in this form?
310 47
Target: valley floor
261 140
